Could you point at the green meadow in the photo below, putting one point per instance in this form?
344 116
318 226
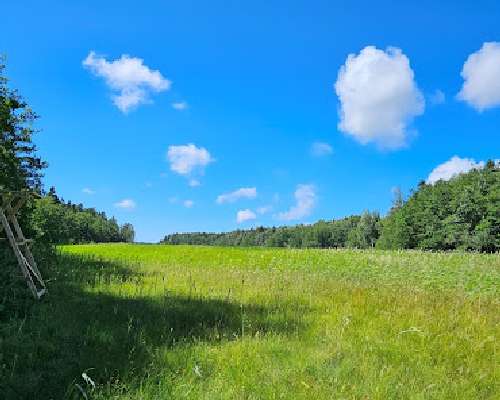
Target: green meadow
187 322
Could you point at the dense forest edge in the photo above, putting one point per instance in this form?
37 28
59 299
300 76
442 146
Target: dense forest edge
460 214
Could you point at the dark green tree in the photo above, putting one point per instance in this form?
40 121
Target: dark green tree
127 233
20 167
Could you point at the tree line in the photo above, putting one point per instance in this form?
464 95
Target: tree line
61 222
351 231
462 213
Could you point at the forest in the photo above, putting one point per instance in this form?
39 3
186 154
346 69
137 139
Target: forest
460 214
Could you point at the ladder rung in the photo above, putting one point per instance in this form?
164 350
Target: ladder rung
24 242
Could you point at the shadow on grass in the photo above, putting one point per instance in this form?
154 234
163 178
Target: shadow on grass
43 355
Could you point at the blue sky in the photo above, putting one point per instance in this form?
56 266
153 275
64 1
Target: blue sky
258 84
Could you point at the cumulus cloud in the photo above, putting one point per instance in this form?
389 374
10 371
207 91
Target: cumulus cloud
321 149
128 77
188 203
245 215
88 191
378 97
453 167
481 73
305 200
242 193
188 160
126 204
180 106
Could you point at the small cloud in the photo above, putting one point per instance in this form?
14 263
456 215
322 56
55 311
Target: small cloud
321 149
305 200
451 168
129 77
378 96
194 182
438 97
242 193
173 200
88 191
180 106
126 204
148 184
188 203
188 160
245 215
264 210
481 72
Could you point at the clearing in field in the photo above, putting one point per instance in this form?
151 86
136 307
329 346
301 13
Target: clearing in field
157 322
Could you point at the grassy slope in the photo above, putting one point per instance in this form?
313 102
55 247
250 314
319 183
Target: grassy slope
150 322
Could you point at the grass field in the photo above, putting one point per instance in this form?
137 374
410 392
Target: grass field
161 322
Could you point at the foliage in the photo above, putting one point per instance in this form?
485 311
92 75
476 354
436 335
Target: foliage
323 234
152 322
127 233
462 213
57 222
20 167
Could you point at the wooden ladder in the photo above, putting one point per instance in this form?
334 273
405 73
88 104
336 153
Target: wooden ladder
10 204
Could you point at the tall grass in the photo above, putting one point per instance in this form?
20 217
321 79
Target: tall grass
155 322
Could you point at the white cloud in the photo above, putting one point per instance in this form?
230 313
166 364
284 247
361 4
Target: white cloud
378 97
245 215
180 106
438 97
242 193
453 167
187 160
320 149
88 191
264 210
129 77
173 200
126 204
481 73
188 203
305 198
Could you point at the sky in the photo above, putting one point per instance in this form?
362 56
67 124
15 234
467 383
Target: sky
221 115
